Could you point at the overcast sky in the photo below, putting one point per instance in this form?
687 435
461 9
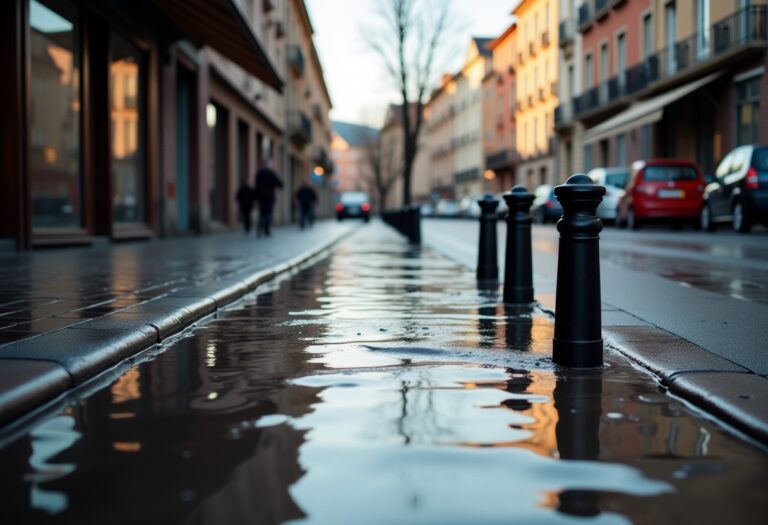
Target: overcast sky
359 87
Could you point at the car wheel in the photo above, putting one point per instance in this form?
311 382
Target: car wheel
741 223
705 219
632 222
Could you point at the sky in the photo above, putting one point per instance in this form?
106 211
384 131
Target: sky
356 79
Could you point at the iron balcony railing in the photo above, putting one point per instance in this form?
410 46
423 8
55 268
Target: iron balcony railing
501 159
300 128
585 15
566 32
296 59
746 26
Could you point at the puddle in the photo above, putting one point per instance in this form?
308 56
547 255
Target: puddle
378 386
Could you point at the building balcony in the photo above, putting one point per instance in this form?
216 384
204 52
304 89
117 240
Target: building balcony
585 17
738 34
296 59
530 101
601 8
299 128
564 116
505 158
531 49
520 58
545 39
542 95
553 89
566 32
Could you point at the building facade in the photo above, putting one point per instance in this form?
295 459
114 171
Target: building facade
438 132
683 79
468 154
501 131
536 80
350 151
141 120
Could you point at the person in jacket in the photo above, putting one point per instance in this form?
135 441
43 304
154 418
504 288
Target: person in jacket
307 198
267 184
245 197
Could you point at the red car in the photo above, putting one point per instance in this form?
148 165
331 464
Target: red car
661 190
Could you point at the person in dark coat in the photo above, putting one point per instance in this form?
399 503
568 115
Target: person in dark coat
245 197
307 198
267 183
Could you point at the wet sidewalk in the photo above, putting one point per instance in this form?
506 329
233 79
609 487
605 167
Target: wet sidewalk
68 314
379 385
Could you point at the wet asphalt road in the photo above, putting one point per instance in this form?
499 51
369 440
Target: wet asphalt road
379 385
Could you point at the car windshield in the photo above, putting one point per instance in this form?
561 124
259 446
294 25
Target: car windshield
669 173
760 159
618 180
354 198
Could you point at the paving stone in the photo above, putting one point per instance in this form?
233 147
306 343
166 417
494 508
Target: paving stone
640 333
619 318
83 353
24 385
738 398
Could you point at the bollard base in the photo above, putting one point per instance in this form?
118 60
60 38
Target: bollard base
518 295
577 354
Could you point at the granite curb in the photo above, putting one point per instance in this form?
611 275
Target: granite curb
37 371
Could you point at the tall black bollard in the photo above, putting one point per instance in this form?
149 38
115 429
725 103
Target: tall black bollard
518 264
487 254
578 338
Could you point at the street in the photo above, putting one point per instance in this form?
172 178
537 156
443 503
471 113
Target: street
708 288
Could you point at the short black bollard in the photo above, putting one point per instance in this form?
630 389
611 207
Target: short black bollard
578 338
518 264
414 232
487 254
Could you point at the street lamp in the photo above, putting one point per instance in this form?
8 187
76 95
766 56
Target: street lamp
319 171
489 175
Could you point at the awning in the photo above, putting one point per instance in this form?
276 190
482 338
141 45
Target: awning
220 25
644 112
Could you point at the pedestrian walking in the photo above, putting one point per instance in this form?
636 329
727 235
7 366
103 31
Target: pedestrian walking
307 198
267 183
245 197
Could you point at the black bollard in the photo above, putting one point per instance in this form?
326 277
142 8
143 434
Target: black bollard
414 234
487 254
518 264
578 338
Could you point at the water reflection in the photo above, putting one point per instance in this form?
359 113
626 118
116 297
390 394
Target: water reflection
324 399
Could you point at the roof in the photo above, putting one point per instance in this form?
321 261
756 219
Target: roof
482 44
499 39
355 135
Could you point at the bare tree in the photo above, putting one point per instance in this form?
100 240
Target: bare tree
407 41
382 166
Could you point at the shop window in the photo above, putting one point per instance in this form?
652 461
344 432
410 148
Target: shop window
127 71
747 111
55 165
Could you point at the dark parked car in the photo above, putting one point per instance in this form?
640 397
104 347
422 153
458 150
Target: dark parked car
739 191
545 207
353 204
661 190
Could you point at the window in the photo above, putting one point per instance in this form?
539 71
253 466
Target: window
54 119
646 142
747 110
647 36
702 28
587 157
603 71
621 150
671 36
621 59
128 113
588 78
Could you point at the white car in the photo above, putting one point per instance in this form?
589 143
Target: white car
614 180
469 207
447 208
